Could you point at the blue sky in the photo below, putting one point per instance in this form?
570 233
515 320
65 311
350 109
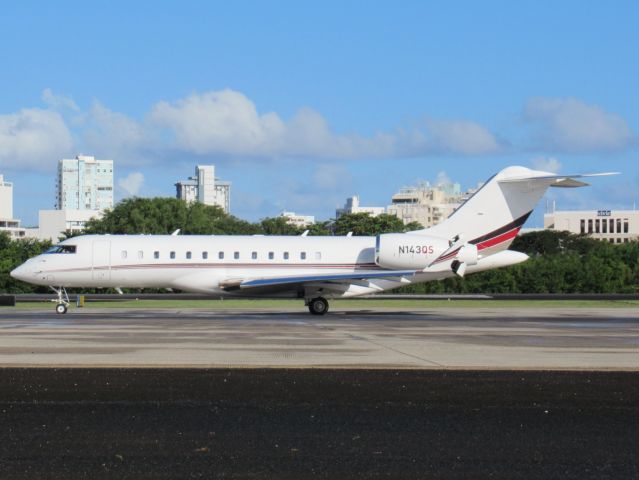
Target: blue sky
302 104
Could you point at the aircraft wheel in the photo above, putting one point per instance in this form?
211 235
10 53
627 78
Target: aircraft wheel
318 306
60 308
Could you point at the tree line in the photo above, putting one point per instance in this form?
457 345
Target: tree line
559 262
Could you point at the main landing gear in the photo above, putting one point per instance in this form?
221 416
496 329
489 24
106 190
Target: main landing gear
62 301
318 306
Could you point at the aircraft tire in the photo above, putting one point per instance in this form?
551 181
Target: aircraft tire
318 306
60 308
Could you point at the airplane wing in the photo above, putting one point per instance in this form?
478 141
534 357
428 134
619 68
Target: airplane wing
290 282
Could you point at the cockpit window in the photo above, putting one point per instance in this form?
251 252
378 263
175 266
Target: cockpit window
62 249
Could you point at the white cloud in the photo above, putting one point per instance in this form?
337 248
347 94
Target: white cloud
132 183
58 102
461 137
33 138
114 134
546 164
443 179
227 122
331 177
568 124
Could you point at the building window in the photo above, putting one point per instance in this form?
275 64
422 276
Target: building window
597 226
254 255
611 240
236 255
140 254
318 255
612 226
205 255
271 255
285 255
590 225
172 255
220 255
302 255
619 225
188 255
625 240
124 253
156 254
583 226
619 240
625 225
604 226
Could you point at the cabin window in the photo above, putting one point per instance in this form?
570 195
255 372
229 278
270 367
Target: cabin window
156 254
236 255
302 255
285 255
205 255
318 255
271 255
220 255
140 254
254 255
172 255
123 254
188 255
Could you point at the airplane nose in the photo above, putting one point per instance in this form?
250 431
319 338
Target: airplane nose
19 273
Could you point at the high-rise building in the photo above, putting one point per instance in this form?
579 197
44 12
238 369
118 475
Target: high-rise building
205 188
7 222
84 183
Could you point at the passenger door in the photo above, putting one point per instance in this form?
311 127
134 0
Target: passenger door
101 260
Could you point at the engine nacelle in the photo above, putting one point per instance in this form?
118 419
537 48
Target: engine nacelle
399 251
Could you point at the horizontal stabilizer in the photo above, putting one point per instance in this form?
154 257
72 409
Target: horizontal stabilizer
565 181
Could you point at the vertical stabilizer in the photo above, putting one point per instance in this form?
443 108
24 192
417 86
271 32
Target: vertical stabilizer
493 216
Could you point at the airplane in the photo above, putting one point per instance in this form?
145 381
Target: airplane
474 238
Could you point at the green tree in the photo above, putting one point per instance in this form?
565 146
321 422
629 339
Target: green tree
365 224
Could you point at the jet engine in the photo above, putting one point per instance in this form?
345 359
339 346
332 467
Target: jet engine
398 251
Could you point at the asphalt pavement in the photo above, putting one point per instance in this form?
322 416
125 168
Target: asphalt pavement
317 423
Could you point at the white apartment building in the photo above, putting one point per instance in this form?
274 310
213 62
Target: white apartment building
205 188
8 224
84 183
352 206
426 204
298 220
614 226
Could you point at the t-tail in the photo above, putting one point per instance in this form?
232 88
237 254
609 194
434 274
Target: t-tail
493 216
477 235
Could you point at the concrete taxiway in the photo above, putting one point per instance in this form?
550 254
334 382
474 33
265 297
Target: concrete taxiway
445 338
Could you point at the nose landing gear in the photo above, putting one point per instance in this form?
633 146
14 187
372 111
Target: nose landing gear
62 301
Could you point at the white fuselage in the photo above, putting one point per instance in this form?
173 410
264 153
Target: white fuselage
208 263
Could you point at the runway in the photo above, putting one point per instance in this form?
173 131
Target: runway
446 393
444 338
